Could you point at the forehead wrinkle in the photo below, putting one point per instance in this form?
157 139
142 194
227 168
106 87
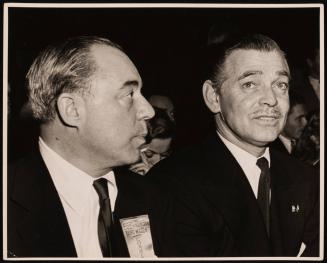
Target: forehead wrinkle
234 62
249 73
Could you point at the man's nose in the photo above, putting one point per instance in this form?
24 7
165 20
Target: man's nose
145 110
268 96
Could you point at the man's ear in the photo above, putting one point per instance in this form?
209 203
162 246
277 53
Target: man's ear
70 108
210 96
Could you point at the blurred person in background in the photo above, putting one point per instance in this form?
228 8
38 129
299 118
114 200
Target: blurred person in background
295 123
306 78
308 146
313 62
165 103
160 137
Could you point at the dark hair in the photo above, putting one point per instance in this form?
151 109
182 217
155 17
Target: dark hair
216 55
295 99
65 67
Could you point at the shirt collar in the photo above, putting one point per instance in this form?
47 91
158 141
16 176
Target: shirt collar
244 158
287 142
73 185
313 80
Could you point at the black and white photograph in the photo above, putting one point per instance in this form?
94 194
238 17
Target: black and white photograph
163 131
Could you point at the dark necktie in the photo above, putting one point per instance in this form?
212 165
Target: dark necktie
105 220
264 190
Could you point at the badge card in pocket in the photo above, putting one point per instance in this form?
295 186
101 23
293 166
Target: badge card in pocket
137 234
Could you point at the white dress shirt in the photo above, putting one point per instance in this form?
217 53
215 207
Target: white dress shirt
248 163
79 199
287 143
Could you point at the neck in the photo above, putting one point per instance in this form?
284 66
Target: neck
65 142
227 133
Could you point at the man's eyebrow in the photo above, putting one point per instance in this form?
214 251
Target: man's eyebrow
284 73
131 83
249 73
259 72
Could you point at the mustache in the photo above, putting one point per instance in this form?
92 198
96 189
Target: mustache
272 113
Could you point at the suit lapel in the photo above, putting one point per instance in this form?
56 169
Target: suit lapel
130 202
287 207
279 146
229 190
45 226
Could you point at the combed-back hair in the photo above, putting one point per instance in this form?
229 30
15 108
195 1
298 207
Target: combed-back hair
295 99
216 55
65 67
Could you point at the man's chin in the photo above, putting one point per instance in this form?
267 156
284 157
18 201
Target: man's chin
268 134
135 158
130 157
264 139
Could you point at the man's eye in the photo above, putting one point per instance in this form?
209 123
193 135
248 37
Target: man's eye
249 85
282 85
130 94
149 153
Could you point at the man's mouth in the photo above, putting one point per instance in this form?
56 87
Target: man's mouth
268 117
271 118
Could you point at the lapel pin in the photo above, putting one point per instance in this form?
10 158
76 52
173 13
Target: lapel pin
295 208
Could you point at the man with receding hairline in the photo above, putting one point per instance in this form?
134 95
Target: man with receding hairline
233 196
67 199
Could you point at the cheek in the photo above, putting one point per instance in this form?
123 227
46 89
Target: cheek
288 126
120 118
237 107
230 101
298 125
108 123
283 105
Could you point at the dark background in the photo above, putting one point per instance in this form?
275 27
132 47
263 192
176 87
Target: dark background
165 44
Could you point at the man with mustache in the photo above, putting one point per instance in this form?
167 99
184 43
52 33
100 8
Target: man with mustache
233 195
66 199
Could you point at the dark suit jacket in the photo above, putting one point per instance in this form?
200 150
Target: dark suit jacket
217 214
37 225
278 145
